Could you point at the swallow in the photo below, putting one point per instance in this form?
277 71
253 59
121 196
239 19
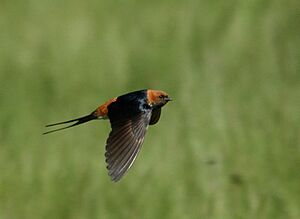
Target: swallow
130 116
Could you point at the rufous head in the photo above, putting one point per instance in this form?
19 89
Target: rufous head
157 98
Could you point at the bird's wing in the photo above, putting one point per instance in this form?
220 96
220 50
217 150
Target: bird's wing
155 116
124 142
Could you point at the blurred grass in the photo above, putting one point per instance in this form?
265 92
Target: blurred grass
226 147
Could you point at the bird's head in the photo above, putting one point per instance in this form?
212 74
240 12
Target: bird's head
157 98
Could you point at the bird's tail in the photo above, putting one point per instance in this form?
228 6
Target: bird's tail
77 121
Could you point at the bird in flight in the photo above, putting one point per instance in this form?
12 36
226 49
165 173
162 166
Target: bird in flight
129 115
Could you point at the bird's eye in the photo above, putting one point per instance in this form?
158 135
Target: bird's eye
161 96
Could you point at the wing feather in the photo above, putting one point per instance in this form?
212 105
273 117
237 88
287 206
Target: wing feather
131 156
115 140
124 143
121 147
131 151
155 115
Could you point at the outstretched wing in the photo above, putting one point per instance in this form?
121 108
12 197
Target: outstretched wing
155 115
125 141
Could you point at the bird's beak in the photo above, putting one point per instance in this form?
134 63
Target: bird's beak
168 99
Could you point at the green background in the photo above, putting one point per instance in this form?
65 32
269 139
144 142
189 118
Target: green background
228 146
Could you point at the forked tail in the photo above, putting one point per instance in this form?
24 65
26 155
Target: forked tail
77 121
